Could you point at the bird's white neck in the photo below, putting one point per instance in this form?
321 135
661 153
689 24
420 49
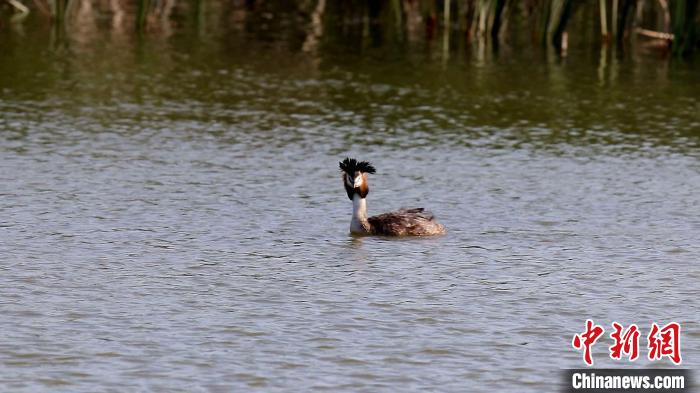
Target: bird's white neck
359 223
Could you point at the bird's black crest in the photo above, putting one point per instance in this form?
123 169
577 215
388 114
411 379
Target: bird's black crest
351 165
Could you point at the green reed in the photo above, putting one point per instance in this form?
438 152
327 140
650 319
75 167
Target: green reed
673 22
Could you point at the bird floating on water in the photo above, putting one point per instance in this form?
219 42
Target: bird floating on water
404 222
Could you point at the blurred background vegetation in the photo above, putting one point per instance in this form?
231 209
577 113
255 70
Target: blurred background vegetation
668 27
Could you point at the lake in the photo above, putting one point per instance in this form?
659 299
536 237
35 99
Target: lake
172 216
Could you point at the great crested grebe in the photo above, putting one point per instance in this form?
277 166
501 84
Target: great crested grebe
404 222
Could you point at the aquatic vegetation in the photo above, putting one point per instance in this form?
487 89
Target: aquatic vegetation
549 23
685 26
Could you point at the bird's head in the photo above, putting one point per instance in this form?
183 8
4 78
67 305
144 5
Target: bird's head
355 176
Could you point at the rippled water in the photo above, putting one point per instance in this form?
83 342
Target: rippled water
172 217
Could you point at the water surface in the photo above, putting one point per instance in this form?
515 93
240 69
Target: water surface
172 216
